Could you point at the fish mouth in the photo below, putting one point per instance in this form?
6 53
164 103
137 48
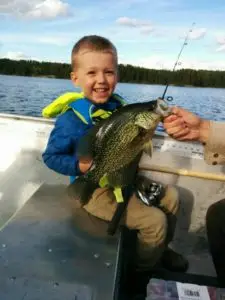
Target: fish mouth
162 108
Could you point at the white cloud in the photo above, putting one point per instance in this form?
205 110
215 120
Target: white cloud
126 4
18 56
162 62
220 40
50 39
124 21
221 48
155 62
144 26
198 34
203 64
35 9
195 34
146 29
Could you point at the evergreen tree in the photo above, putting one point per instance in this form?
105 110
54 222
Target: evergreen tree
127 73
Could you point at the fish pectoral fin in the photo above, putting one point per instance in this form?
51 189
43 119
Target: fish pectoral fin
118 194
148 148
103 182
86 144
85 148
141 122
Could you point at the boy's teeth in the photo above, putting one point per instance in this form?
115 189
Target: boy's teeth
100 90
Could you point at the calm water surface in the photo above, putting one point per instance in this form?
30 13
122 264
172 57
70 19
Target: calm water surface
28 95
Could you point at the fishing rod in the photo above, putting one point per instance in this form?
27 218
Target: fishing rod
185 43
162 106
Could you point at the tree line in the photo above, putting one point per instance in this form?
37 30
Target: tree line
127 73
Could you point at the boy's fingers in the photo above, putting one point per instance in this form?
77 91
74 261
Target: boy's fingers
85 159
85 165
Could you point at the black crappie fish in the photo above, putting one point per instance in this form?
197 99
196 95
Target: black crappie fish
116 145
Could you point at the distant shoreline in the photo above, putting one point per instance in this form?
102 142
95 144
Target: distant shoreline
54 77
127 74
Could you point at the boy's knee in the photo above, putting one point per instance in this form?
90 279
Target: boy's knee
170 201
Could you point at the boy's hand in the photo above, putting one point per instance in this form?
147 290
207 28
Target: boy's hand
85 164
184 125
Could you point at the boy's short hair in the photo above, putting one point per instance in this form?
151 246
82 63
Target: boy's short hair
92 42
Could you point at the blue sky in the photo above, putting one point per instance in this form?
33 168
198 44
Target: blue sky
146 33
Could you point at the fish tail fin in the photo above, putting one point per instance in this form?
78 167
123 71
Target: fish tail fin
82 189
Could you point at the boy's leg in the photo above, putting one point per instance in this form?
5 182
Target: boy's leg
150 222
85 221
152 227
170 205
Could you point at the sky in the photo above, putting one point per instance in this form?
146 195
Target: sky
147 33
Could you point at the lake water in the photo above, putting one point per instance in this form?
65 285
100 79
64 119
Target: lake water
28 95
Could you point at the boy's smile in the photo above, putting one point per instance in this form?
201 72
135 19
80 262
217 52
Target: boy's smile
96 74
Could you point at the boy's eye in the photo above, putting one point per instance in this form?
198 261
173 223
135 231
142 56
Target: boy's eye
91 73
110 72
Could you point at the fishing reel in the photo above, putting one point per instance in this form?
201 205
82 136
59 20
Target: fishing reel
148 191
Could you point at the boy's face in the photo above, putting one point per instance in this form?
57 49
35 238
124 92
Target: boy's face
96 74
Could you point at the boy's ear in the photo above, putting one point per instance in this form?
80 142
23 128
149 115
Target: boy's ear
74 78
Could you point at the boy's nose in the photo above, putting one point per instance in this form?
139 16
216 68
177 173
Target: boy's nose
101 77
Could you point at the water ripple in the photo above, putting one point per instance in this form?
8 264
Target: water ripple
29 95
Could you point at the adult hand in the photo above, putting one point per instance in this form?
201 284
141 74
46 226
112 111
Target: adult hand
184 125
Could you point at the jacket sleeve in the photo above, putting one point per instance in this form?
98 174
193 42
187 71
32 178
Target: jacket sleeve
59 154
214 150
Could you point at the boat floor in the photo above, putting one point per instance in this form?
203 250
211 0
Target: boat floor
44 256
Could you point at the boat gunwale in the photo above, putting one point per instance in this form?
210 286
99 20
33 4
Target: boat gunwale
15 117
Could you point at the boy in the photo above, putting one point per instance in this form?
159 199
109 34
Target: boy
94 70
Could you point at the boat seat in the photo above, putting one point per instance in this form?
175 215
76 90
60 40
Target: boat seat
44 256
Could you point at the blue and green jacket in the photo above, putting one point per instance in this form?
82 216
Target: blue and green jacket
74 116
